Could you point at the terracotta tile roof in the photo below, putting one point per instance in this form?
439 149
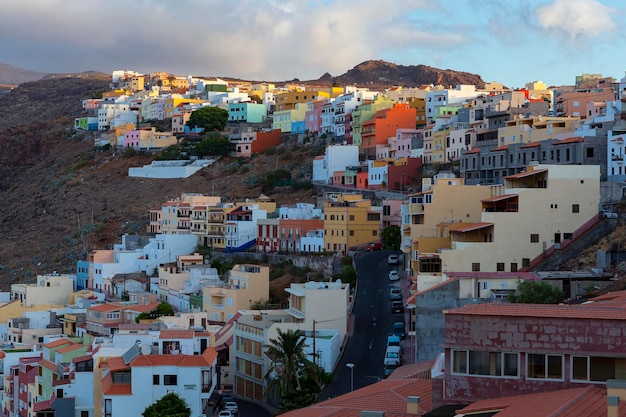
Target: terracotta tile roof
438 285
83 358
105 307
587 401
574 139
206 359
44 405
56 343
69 348
499 198
419 370
527 173
116 364
526 276
176 334
500 148
532 145
469 227
49 364
387 395
597 311
472 151
64 381
109 388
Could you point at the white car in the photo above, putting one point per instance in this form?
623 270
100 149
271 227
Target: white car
394 276
392 259
225 413
232 407
609 214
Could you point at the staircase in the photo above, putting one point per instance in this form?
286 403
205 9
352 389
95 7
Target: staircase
586 235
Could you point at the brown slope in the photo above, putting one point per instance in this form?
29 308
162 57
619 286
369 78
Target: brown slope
62 198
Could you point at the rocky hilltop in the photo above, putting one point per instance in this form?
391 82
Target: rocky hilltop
11 75
382 73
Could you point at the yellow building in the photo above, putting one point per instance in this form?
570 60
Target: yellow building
246 284
534 210
350 221
438 154
49 289
287 100
176 214
170 104
284 118
536 129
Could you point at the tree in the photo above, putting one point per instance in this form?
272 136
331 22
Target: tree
256 99
537 292
391 237
209 118
163 309
287 355
213 145
169 405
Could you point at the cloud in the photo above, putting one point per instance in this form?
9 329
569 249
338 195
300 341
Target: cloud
255 39
573 21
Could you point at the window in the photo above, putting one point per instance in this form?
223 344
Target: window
476 266
500 266
593 368
525 262
352 217
513 266
108 407
498 364
351 232
534 237
575 208
541 366
170 379
156 379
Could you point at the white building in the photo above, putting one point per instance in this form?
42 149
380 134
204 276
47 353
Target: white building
336 158
447 97
135 381
241 227
300 211
312 241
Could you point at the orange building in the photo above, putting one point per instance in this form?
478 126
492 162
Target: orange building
383 125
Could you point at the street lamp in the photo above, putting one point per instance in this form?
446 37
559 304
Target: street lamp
351 366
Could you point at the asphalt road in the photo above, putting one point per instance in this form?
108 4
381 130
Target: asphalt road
372 324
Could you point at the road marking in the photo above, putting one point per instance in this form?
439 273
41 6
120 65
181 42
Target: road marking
371 342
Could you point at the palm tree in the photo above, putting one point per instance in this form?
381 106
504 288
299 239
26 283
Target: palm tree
288 359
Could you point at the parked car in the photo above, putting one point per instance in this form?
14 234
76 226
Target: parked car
397 307
609 214
232 407
225 413
395 294
399 329
389 369
393 356
373 246
393 259
393 340
393 275
223 399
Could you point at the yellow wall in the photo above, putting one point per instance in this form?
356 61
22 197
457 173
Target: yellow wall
346 223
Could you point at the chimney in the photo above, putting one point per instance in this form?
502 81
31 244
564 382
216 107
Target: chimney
413 405
615 392
372 414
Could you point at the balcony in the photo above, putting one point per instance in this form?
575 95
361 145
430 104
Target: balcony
617 158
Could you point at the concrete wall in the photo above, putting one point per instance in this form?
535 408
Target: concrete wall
168 169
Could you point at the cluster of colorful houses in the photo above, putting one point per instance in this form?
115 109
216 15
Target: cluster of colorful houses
531 164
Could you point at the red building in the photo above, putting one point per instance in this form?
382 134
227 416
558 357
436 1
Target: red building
383 125
284 235
496 350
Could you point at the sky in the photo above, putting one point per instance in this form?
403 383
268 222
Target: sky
509 41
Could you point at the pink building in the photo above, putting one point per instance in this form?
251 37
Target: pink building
496 350
404 138
313 117
574 103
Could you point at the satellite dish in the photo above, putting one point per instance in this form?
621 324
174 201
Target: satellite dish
146 350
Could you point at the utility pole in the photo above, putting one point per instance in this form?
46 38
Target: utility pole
314 351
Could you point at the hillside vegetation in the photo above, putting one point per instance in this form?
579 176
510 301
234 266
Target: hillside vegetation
62 198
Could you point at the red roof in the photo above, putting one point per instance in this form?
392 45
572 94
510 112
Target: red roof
598 311
574 139
389 395
69 348
83 358
109 388
527 173
174 360
500 148
531 145
587 401
469 227
499 198
473 150
105 307
56 343
48 364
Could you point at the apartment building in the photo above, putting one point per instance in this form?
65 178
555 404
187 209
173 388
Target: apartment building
349 221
